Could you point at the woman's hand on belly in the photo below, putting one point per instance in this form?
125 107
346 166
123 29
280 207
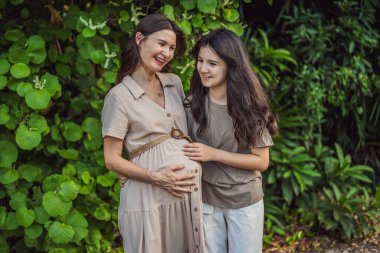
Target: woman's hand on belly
174 183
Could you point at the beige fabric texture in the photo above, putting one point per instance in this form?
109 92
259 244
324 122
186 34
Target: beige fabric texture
150 218
223 185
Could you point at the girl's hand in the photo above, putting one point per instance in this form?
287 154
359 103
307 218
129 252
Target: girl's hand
122 179
199 152
174 183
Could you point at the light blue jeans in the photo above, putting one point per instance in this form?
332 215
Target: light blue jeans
234 230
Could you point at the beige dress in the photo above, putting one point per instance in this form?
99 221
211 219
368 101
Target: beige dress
152 220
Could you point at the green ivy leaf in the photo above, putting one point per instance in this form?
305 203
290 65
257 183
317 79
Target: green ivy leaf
52 85
29 172
88 33
188 4
83 66
17 55
11 222
23 88
20 70
197 20
169 11
105 30
39 123
93 126
93 143
14 35
237 28
231 15
37 99
8 153
16 2
54 204
27 139
107 179
4 115
25 217
79 223
185 27
4 66
18 200
3 216
63 70
4 247
102 213
72 131
8 175
3 82
41 215
61 233
70 154
69 190
69 170
34 231
36 49
98 56
124 15
208 6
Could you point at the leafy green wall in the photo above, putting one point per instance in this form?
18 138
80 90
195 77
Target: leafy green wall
58 60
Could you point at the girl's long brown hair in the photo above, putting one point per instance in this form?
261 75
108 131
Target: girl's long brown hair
247 102
130 57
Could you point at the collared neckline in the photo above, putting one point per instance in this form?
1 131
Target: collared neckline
137 91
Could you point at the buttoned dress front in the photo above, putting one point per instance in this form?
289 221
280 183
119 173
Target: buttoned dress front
152 220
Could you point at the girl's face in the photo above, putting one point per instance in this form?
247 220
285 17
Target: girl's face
211 68
157 49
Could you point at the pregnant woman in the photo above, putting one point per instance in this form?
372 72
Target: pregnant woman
160 209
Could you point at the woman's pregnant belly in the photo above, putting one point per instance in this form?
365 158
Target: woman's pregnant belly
141 196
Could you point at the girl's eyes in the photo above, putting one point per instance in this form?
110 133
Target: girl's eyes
199 60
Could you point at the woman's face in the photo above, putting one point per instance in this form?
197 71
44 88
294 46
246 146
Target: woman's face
157 49
211 68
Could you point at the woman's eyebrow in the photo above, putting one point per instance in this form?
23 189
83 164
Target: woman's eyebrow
164 41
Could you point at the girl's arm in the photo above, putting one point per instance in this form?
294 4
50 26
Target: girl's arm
167 178
258 159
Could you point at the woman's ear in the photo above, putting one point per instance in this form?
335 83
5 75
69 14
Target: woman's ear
138 38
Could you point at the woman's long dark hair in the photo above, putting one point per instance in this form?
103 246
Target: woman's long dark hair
130 57
247 102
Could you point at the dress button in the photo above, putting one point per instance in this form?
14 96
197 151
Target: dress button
168 114
196 229
196 170
195 209
196 189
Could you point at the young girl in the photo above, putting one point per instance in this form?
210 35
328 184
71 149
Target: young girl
230 121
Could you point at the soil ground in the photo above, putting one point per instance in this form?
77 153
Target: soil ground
370 244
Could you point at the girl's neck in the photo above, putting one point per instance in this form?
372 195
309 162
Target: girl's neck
218 94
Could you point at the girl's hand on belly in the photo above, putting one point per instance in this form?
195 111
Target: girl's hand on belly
174 183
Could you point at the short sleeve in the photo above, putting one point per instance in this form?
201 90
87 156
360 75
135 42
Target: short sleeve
265 140
114 117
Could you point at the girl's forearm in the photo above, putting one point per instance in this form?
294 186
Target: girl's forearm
256 161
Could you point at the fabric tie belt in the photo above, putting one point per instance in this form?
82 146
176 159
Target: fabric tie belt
174 133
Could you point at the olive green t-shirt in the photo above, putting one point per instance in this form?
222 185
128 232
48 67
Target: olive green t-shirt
223 185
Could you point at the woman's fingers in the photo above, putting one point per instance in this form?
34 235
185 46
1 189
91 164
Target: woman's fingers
176 167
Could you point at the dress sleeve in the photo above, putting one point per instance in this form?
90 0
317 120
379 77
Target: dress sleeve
265 140
114 117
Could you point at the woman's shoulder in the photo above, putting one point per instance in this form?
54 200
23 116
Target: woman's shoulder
170 78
